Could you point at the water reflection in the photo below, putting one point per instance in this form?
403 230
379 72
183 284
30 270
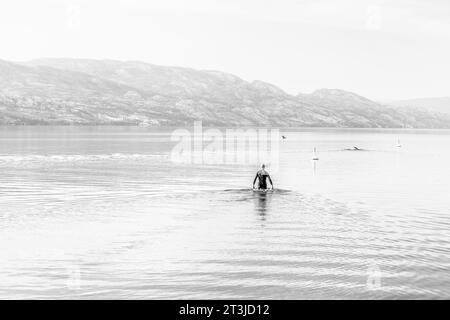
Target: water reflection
262 203
314 163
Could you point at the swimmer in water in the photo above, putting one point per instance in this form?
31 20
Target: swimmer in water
262 175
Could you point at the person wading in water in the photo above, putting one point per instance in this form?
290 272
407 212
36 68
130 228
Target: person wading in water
262 175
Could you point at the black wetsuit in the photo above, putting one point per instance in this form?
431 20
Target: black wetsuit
262 175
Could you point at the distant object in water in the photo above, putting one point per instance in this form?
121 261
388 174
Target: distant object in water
315 156
355 149
399 145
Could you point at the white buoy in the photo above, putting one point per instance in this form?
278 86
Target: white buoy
315 157
399 145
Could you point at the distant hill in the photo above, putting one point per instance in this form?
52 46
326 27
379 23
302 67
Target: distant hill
441 104
97 92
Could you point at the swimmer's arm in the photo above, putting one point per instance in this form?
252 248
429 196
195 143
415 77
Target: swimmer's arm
256 177
270 180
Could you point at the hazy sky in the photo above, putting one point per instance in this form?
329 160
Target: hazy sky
380 49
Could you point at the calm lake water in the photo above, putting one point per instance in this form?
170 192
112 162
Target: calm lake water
102 212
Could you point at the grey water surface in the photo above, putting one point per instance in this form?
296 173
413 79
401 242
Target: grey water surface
103 212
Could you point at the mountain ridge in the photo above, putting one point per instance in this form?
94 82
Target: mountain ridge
71 91
434 104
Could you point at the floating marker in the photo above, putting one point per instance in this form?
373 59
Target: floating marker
315 157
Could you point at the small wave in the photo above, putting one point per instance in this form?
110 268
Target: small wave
248 190
78 158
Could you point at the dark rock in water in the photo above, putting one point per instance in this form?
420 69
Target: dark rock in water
355 149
